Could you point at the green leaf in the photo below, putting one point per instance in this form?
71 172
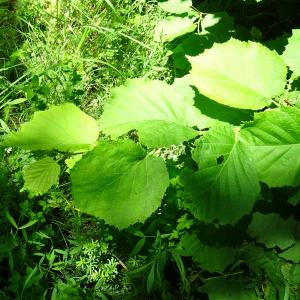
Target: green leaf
273 140
41 175
239 74
291 52
172 27
292 254
273 231
176 6
295 199
119 183
160 113
218 25
212 259
228 289
226 185
261 261
150 278
63 128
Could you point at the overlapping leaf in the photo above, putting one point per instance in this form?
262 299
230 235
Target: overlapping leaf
160 113
273 231
41 175
64 128
226 185
172 27
229 289
117 182
291 53
239 74
273 140
212 259
175 6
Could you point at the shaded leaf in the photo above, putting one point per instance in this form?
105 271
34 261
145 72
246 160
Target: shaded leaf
212 259
41 175
273 231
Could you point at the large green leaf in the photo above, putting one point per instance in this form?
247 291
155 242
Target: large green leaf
226 185
161 113
64 128
175 6
212 259
273 140
273 231
172 27
291 53
239 74
292 254
41 175
228 289
119 183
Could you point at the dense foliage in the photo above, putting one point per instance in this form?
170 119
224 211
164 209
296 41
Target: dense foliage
150 150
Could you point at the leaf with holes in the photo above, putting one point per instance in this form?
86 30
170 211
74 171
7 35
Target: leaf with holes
239 74
119 183
40 176
226 185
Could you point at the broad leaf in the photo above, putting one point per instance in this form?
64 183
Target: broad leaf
292 254
64 128
239 74
160 113
172 27
119 183
176 6
273 140
291 52
41 175
228 289
212 259
273 231
226 185
218 25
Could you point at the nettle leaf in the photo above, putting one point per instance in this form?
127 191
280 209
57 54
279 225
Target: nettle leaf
291 52
119 182
64 128
273 140
176 6
212 259
40 176
239 74
172 27
160 113
273 231
228 289
226 185
292 254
